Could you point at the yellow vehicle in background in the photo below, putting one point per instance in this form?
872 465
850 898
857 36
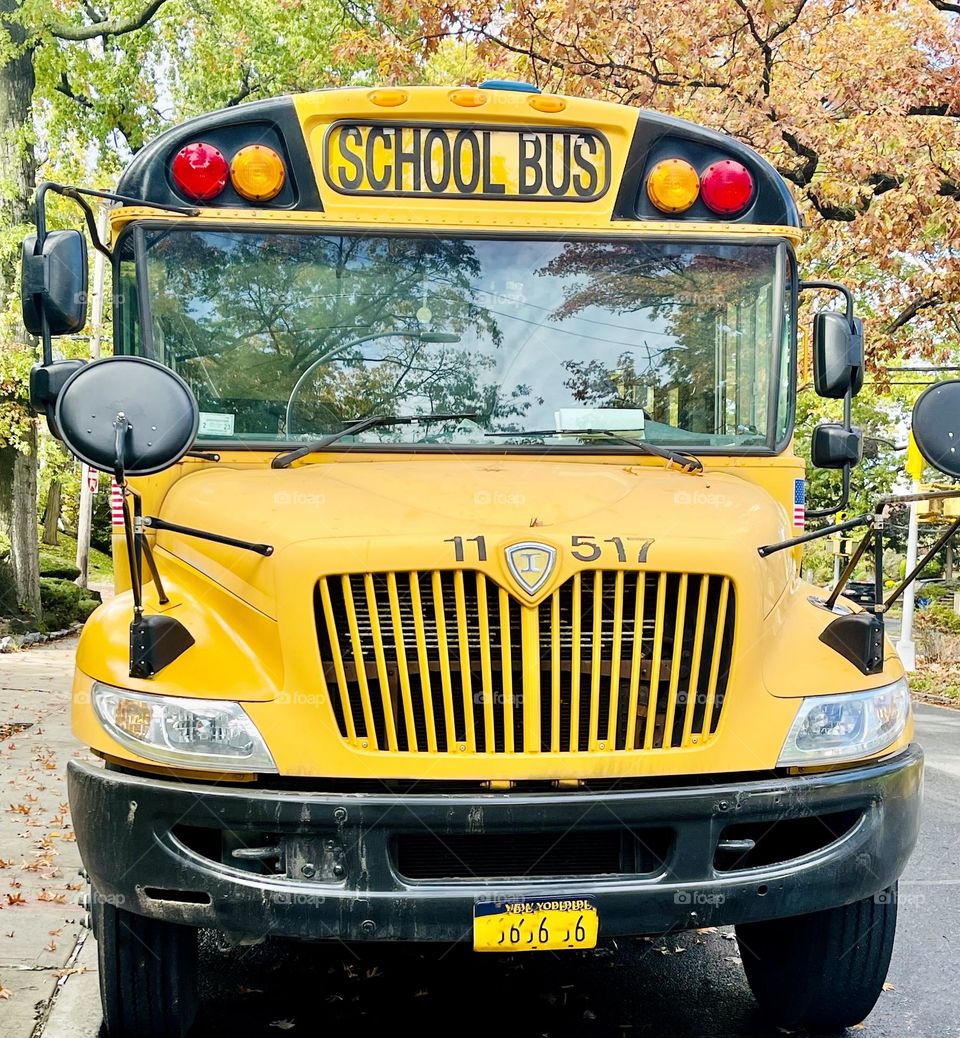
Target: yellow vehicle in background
454 429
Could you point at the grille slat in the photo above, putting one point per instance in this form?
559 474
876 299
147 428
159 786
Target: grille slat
448 662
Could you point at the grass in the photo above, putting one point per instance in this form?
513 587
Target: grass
939 680
64 554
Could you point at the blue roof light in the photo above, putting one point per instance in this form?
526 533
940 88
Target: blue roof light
510 84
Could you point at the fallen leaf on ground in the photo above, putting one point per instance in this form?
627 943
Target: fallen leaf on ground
888 986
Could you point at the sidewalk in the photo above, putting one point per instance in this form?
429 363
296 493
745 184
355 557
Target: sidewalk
41 933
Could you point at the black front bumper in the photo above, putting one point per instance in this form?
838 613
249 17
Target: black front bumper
318 865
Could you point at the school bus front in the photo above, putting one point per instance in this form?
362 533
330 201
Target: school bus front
502 385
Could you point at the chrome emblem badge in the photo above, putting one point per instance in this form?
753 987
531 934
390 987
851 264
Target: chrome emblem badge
530 564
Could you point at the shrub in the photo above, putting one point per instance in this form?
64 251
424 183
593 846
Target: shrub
938 632
64 603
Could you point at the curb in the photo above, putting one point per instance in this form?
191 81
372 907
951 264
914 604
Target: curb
14 642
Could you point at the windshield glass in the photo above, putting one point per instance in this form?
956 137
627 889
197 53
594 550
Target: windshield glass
292 336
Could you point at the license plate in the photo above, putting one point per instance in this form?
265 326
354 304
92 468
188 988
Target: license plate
534 924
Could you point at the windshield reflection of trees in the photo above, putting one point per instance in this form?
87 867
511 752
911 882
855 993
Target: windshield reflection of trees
694 295
241 316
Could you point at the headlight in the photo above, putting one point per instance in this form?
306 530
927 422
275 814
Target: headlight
211 733
843 727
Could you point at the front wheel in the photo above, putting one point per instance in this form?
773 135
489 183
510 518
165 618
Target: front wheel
823 971
148 973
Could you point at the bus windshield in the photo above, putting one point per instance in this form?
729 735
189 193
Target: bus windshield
287 336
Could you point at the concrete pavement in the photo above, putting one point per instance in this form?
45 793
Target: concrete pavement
690 985
40 921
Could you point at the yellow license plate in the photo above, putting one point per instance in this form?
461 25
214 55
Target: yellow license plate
534 924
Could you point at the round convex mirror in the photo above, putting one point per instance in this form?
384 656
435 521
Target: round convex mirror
936 426
159 406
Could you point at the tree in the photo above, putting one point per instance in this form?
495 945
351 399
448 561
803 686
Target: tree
93 83
857 105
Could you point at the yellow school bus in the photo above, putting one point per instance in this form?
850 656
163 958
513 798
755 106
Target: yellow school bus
462 613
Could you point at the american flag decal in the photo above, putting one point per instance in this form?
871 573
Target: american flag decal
116 504
799 501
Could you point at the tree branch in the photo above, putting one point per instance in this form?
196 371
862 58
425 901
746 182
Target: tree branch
908 313
103 29
942 5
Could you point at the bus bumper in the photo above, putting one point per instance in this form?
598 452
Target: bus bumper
258 862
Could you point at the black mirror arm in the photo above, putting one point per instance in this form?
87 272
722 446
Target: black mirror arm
848 524
915 572
833 286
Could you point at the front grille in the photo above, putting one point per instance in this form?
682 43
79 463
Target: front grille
583 852
448 662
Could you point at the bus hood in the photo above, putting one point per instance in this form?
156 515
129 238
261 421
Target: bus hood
360 515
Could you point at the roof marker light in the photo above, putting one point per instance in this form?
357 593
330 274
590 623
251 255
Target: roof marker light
387 98
257 173
467 98
673 185
200 171
547 103
726 187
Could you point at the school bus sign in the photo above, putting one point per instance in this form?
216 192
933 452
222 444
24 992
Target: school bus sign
432 159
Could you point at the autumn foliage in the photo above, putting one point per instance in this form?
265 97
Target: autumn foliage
856 103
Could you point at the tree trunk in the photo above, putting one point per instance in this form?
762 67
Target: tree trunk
18 166
51 519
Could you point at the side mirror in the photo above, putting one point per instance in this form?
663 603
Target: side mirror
936 426
54 283
837 355
833 446
127 415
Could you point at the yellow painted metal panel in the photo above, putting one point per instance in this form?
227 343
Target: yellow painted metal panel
423 661
359 662
383 678
596 669
463 643
715 663
530 628
693 692
486 668
615 657
506 662
635 661
655 663
675 661
576 620
403 673
338 668
555 704
443 656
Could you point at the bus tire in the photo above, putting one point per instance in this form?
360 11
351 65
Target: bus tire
148 973
823 971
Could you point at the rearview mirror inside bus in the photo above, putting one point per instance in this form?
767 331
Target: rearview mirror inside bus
936 426
54 283
837 355
833 446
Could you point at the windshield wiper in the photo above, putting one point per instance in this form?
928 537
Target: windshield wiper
282 461
684 460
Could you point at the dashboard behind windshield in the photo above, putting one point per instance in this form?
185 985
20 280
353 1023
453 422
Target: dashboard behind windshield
291 336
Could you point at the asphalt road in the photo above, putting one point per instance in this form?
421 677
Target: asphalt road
680 987
690 985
